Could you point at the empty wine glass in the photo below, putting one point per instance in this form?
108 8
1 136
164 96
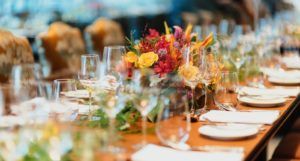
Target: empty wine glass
144 100
113 57
173 120
225 95
191 76
115 64
25 73
31 101
111 103
89 75
238 57
209 68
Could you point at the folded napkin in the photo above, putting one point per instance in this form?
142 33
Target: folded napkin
292 62
253 117
281 73
158 153
284 92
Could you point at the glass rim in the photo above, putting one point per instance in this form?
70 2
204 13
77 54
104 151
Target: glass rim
64 80
115 46
89 55
27 65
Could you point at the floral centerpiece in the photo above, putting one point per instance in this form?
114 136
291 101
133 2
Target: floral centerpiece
162 54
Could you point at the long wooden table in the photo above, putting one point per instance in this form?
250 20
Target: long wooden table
255 147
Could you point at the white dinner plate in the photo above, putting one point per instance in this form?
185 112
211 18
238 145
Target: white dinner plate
262 101
229 131
77 94
284 81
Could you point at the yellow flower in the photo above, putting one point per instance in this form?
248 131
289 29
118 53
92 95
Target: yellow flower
188 72
147 59
131 57
50 130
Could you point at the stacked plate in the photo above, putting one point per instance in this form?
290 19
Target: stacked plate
279 76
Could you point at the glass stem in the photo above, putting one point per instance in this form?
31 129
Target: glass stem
112 130
144 126
205 98
90 106
193 103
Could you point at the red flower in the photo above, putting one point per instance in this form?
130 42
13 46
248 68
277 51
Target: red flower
146 46
152 34
162 44
164 66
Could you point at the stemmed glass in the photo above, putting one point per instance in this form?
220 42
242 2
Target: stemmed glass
89 75
209 68
115 64
238 57
191 76
173 120
144 100
111 103
31 101
225 95
25 73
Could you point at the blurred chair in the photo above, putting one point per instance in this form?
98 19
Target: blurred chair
289 147
13 50
62 47
296 126
103 32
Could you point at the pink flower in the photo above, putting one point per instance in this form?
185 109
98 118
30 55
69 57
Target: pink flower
178 32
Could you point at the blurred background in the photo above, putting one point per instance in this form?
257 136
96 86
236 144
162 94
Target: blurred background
29 18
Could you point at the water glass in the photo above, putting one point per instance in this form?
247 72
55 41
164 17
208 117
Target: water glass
173 121
225 95
62 86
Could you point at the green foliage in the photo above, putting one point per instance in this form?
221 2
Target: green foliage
127 117
37 152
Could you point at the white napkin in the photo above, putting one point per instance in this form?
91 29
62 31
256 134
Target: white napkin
284 92
254 117
281 73
158 153
292 62
10 121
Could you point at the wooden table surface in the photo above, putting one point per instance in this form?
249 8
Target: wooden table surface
253 146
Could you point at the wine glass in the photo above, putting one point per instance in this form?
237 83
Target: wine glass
25 73
114 62
113 56
111 103
31 101
238 57
89 75
191 76
144 100
225 95
209 68
173 120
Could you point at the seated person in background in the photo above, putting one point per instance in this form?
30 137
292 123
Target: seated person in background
104 32
13 50
63 45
